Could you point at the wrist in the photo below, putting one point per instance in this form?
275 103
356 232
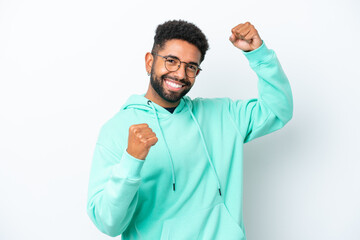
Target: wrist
260 55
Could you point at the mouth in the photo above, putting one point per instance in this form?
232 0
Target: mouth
173 85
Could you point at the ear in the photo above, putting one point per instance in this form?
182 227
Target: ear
149 59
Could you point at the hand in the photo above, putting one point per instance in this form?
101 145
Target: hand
141 139
245 37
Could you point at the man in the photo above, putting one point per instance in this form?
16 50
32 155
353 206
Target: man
168 167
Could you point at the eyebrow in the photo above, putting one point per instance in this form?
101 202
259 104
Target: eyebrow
194 63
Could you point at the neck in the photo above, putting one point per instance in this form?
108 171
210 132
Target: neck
153 96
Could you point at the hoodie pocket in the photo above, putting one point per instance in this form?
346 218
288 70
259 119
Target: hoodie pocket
213 223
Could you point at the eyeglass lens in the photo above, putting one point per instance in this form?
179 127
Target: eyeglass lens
173 64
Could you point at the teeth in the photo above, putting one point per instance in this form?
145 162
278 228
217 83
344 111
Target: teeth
173 84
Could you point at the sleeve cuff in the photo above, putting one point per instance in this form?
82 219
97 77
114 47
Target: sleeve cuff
129 167
259 55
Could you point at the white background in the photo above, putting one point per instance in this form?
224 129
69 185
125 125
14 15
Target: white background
66 67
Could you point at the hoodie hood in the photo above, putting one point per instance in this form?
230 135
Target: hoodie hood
140 102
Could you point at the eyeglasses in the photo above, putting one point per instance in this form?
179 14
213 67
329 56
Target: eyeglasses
172 64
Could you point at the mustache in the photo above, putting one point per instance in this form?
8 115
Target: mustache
186 83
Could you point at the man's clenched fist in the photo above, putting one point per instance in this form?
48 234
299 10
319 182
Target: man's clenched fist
245 37
141 139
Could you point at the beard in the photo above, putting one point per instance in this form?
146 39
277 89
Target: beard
158 83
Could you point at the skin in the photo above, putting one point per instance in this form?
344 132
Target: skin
186 52
245 37
141 137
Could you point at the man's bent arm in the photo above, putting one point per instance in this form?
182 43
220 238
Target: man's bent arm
113 189
274 106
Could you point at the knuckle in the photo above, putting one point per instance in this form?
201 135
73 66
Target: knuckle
147 144
134 129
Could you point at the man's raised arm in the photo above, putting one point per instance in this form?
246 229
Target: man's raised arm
274 106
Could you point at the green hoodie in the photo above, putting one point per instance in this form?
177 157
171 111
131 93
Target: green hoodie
190 185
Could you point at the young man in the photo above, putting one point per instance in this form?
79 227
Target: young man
169 167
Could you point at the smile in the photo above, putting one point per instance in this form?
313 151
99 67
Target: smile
173 85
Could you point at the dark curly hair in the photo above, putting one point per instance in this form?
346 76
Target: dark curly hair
180 29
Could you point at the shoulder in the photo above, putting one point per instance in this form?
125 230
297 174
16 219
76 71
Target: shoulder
115 129
211 103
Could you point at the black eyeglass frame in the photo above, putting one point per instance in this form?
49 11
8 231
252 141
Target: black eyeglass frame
186 64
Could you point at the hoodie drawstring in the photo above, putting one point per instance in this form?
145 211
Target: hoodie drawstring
167 148
203 143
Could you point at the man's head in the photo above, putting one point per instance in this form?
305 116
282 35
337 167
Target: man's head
179 48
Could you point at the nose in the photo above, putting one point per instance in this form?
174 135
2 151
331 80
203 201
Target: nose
181 72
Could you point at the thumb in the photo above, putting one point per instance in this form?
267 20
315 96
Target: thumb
232 38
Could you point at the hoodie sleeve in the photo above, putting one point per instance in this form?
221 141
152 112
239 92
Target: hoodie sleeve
113 189
274 106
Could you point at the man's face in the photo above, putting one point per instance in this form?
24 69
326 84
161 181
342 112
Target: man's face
166 83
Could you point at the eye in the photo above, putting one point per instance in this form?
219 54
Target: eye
171 61
192 67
